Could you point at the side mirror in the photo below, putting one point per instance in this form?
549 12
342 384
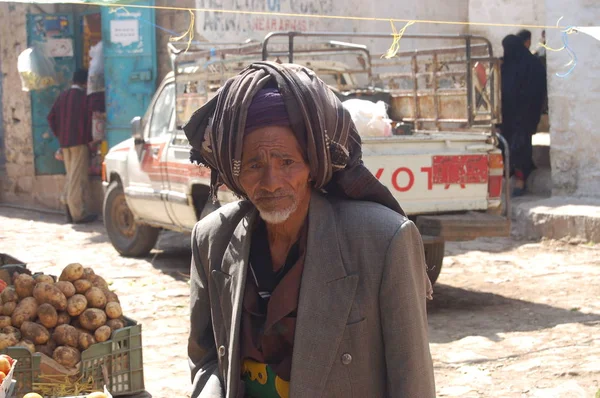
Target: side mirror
136 129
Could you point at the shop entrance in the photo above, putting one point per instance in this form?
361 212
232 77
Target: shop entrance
128 70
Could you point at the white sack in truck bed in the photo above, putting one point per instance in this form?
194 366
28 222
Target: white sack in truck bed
370 118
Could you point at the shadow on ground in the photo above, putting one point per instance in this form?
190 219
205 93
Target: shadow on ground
456 313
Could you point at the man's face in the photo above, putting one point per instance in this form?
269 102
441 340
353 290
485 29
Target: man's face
528 44
274 174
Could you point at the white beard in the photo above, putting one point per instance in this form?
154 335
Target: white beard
279 216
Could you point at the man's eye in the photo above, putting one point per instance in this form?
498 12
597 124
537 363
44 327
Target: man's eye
255 166
288 162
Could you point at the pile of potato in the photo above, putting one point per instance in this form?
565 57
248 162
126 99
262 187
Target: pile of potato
59 319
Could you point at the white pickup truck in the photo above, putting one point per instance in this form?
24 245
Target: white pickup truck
442 164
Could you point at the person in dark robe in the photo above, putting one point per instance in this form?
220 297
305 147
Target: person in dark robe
523 92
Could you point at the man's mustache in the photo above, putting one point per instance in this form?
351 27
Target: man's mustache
270 195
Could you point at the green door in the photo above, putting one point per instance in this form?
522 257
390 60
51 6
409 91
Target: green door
49 30
129 42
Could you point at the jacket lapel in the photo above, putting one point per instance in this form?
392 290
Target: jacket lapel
230 281
326 297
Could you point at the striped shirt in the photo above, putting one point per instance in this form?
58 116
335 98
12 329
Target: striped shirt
68 118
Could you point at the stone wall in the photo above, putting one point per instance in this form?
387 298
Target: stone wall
573 101
16 107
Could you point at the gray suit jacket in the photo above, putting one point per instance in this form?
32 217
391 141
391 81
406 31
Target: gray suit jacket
362 325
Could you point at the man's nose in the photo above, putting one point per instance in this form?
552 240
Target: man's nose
271 178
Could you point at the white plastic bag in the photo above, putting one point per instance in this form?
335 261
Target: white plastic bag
96 60
370 118
96 70
36 69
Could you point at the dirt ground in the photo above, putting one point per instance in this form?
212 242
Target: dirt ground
509 318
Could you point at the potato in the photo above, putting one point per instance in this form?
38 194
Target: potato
66 335
63 318
87 271
92 319
76 305
9 295
86 340
82 285
35 332
111 297
67 288
66 356
24 285
115 324
48 315
8 340
11 330
98 281
46 349
26 344
47 293
5 321
102 333
113 310
9 308
95 298
43 278
26 310
71 273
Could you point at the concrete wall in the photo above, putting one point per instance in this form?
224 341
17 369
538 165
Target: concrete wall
529 12
235 28
174 21
573 101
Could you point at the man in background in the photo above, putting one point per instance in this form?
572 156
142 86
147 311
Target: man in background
68 120
525 35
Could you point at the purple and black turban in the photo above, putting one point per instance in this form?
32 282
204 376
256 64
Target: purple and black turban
267 93
267 109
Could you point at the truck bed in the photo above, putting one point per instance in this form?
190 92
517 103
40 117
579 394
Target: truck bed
433 173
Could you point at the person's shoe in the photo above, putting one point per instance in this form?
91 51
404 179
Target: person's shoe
87 219
68 216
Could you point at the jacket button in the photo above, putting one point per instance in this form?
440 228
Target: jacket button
222 351
346 359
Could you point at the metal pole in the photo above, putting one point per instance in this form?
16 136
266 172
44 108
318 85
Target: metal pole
291 47
469 82
507 208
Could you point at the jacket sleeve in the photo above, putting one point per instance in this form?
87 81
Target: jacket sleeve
202 352
402 298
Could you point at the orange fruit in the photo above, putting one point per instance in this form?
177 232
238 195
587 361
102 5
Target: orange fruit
8 357
4 366
2 377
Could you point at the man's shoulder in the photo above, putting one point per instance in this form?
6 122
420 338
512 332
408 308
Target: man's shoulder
224 220
367 216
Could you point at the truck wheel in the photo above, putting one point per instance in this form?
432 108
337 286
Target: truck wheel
434 257
128 237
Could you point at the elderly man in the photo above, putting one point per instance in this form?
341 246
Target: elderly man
314 285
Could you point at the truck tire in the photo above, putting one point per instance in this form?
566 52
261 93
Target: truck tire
128 237
434 257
